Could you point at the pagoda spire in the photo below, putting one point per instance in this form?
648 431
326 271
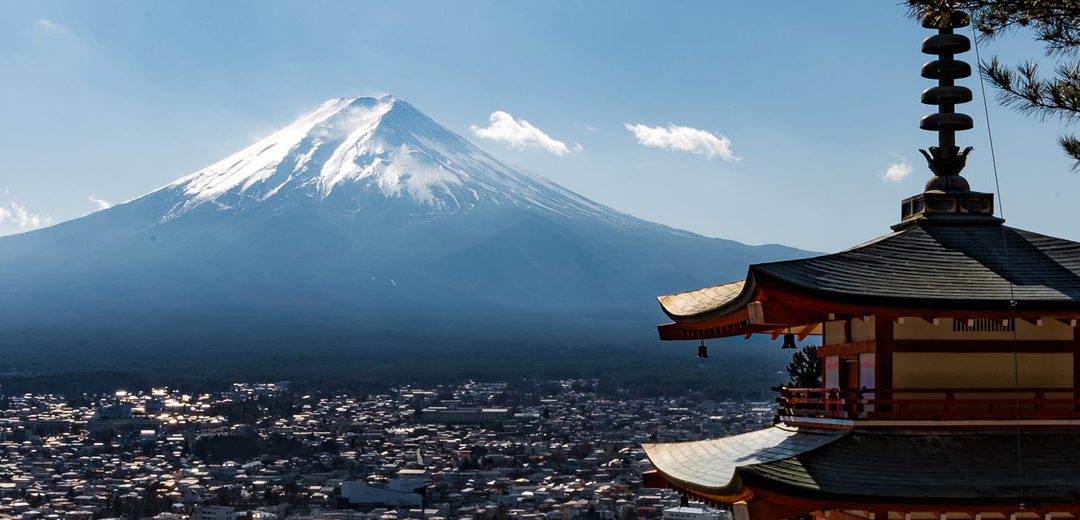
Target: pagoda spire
947 199
946 160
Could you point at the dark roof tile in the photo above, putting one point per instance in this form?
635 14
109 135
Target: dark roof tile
930 466
922 266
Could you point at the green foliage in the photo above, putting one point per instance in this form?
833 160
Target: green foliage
218 448
804 371
1056 23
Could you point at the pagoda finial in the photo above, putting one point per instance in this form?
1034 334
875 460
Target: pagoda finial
946 160
947 199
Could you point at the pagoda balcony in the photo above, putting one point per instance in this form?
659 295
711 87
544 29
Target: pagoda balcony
845 409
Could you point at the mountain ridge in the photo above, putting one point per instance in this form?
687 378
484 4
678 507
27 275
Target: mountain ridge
335 231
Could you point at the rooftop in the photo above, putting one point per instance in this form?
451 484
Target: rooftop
922 266
925 465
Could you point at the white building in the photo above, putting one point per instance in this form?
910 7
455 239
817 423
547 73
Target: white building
695 513
401 491
214 513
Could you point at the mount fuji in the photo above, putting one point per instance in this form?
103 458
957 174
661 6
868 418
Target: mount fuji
362 223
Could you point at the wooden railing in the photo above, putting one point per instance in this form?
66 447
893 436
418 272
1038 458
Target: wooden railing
929 403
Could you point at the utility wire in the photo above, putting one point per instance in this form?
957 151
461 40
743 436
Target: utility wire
1012 290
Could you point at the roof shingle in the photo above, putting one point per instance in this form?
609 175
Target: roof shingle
922 266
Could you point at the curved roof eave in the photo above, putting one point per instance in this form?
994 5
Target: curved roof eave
983 268
711 466
702 304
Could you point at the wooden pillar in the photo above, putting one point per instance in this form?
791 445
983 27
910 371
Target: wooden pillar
1076 360
883 337
740 510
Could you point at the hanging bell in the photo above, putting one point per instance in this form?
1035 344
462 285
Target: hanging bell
702 351
789 341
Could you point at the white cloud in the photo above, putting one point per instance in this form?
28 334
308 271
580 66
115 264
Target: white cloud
18 215
684 139
56 32
47 25
100 203
897 171
519 133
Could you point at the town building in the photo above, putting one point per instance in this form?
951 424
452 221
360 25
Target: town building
214 513
562 451
951 363
445 415
695 513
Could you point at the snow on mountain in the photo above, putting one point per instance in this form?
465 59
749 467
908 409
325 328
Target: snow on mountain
382 146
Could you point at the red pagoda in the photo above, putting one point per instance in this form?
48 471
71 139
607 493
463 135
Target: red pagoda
951 363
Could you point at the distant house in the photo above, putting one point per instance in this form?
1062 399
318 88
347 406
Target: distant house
695 513
483 416
214 513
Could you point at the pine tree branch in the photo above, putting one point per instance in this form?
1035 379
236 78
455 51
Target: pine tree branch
1071 145
1054 22
1025 91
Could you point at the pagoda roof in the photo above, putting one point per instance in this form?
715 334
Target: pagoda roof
710 466
922 266
702 300
881 467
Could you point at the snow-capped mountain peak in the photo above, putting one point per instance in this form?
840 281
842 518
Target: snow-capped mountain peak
372 147
363 226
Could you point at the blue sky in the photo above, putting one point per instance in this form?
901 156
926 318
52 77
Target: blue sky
812 102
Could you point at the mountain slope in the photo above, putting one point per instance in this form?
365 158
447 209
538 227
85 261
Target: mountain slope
362 223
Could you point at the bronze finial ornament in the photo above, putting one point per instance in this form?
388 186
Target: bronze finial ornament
948 198
946 160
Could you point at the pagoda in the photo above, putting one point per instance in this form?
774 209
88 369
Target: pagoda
951 363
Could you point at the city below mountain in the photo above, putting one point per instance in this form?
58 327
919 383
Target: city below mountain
362 226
